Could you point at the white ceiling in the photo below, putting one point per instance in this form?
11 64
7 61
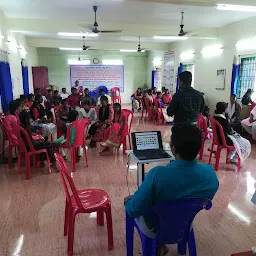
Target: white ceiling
136 17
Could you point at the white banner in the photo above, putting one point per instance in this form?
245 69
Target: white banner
93 76
168 71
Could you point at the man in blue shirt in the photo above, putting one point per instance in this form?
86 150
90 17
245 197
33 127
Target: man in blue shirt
181 178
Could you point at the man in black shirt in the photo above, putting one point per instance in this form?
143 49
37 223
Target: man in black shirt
187 103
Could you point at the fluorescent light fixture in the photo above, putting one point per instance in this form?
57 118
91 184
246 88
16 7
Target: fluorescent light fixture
212 51
170 38
246 44
77 34
70 49
79 62
112 62
187 55
238 8
130 50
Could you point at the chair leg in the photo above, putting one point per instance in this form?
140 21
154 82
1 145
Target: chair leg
148 246
66 218
73 159
202 150
192 243
239 164
182 248
10 156
86 155
109 228
129 235
217 159
71 230
27 156
210 157
100 218
19 158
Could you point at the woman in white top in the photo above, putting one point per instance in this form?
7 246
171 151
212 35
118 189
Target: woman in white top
249 124
88 112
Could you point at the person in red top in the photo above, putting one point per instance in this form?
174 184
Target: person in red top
74 100
30 101
166 97
113 134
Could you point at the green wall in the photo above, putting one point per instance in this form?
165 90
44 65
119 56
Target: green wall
135 67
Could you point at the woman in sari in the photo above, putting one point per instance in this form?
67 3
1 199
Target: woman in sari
242 145
105 119
137 99
249 124
39 117
113 134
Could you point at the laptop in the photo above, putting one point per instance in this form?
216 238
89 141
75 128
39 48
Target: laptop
148 145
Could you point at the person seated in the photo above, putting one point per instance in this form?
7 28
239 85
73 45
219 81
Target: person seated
39 92
30 101
88 112
159 98
137 99
103 93
89 98
233 114
39 117
113 135
182 178
242 145
39 143
166 97
64 94
148 95
249 124
154 91
246 101
56 99
105 119
74 100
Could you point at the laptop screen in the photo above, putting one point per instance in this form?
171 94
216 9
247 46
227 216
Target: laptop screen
147 140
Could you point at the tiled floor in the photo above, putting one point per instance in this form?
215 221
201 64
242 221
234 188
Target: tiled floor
31 213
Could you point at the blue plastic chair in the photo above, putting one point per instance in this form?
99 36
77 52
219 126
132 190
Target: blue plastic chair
93 94
174 225
132 99
102 87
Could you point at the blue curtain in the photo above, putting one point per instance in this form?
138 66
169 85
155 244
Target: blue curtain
180 69
153 79
235 78
5 85
25 79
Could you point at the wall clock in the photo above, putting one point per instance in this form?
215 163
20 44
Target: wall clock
96 61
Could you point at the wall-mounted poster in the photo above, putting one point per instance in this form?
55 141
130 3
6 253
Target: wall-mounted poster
168 71
93 76
221 79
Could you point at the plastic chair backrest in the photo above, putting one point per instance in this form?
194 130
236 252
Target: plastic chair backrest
104 88
93 94
129 118
202 125
216 126
67 181
115 91
80 126
174 218
158 106
148 103
22 135
7 131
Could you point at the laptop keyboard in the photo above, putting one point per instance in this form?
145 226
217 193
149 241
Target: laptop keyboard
152 154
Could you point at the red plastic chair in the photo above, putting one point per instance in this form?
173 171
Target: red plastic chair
115 91
202 125
215 141
81 127
11 143
159 112
83 201
30 151
117 99
129 119
150 109
5 137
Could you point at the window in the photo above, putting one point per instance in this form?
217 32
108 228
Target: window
247 77
190 68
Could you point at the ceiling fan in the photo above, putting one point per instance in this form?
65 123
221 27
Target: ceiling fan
139 48
85 47
182 32
95 26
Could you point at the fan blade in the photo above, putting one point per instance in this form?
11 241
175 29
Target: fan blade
111 31
202 37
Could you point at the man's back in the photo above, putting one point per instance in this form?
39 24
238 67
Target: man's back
178 179
186 104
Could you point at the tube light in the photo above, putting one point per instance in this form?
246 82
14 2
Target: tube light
247 44
238 8
211 51
77 34
130 50
170 38
70 49
112 62
79 62
187 55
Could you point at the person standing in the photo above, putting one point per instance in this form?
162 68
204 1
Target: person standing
187 103
74 100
